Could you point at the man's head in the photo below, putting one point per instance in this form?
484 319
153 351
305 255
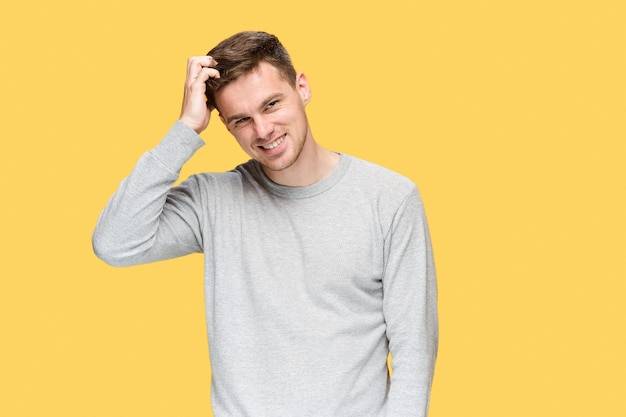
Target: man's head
244 52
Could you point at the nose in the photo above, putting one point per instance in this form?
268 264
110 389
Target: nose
264 127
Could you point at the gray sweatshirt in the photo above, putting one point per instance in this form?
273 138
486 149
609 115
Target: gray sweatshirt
307 289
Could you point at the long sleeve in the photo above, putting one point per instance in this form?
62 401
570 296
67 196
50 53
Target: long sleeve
410 310
147 220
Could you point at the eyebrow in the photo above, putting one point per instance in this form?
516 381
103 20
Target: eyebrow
268 100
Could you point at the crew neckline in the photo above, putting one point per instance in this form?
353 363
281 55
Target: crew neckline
302 192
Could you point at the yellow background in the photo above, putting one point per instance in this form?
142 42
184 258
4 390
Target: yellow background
508 114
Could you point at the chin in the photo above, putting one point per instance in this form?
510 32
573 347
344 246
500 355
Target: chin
279 164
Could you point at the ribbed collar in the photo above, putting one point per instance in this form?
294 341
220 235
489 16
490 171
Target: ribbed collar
301 192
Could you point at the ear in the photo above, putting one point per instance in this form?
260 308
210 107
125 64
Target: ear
303 87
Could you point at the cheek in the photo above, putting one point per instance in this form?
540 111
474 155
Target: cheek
243 137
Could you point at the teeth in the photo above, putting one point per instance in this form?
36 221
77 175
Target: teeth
274 144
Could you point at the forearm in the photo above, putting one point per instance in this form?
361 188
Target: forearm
413 371
133 228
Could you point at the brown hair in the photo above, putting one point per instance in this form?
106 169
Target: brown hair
241 54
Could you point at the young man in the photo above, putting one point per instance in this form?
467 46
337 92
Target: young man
317 264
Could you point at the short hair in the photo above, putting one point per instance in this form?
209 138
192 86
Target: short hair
241 54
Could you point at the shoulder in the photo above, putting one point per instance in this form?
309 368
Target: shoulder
228 182
390 195
380 180
204 180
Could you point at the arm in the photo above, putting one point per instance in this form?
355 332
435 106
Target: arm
146 219
410 309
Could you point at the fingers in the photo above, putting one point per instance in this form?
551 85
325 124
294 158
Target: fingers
200 69
195 112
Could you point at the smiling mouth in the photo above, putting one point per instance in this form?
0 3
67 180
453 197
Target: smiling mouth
273 144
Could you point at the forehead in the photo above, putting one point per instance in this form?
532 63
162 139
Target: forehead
251 89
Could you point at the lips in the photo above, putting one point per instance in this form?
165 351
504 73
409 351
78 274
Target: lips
274 144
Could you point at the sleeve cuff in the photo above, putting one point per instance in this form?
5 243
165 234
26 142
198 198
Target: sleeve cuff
178 145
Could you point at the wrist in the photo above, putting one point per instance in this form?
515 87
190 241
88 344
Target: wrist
191 124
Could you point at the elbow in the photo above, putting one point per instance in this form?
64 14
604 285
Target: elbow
107 251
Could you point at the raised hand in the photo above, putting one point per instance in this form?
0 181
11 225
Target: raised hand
195 113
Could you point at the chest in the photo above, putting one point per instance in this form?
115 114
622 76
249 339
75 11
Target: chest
306 252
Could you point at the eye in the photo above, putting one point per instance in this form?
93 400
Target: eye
241 121
271 104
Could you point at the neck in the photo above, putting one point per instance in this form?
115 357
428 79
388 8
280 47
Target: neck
313 165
